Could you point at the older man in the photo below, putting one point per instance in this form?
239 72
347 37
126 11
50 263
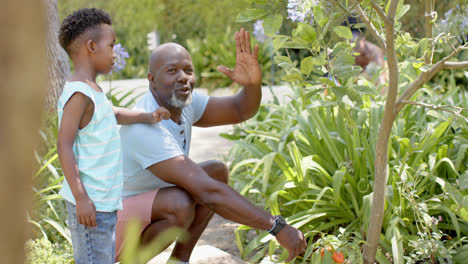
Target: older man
163 187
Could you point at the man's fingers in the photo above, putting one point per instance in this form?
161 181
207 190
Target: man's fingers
242 40
248 47
226 71
255 53
238 44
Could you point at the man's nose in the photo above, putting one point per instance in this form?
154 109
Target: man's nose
182 76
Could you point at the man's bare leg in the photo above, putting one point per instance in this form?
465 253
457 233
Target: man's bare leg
172 207
182 251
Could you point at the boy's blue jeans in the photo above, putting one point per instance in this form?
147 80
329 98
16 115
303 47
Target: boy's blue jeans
93 245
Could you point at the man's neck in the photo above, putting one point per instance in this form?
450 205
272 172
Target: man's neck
176 113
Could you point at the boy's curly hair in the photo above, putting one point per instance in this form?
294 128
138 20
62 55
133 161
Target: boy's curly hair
79 22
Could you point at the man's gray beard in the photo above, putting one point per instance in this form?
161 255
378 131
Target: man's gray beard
179 103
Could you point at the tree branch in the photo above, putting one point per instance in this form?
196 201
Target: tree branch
371 27
380 12
456 65
429 18
427 75
445 108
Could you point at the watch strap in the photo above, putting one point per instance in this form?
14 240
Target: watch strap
279 224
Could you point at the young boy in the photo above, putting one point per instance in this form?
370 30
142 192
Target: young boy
88 141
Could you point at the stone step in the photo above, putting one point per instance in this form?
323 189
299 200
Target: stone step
203 254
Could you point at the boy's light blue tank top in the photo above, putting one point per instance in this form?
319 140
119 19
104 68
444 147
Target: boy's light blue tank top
97 151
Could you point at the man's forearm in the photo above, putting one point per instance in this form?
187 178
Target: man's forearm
248 101
228 203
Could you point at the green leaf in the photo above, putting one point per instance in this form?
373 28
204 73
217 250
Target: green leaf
305 32
296 44
321 18
250 14
397 247
363 89
343 32
282 59
337 180
292 77
260 2
278 43
401 10
307 65
272 24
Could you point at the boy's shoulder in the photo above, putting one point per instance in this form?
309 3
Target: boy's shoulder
76 85
72 87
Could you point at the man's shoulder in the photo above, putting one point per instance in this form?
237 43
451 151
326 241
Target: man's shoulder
142 129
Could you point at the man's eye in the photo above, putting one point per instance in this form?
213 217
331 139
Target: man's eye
189 70
171 70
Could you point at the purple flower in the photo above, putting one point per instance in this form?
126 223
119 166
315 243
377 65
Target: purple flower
120 56
301 10
258 31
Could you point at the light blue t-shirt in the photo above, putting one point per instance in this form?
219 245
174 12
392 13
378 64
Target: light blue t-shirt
146 144
97 151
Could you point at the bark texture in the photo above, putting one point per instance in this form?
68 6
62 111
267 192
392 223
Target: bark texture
57 58
23 85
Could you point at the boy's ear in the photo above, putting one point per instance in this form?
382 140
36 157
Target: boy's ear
91 46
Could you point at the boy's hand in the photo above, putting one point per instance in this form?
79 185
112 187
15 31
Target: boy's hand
158 115
86 212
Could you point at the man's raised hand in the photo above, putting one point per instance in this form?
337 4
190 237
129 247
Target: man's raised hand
247 71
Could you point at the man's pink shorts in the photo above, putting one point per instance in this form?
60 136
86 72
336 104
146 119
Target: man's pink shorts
135 207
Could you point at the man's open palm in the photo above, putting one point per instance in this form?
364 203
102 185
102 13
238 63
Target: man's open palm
247 71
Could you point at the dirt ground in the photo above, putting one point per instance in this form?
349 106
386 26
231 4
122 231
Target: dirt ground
220 234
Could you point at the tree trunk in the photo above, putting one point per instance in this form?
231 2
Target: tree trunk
381 159
23 85
57 58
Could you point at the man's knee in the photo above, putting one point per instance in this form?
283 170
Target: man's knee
183 208
179 206
216 170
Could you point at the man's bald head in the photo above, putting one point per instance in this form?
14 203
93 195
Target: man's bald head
163 52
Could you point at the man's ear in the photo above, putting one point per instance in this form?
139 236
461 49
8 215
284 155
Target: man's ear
91 46
150 78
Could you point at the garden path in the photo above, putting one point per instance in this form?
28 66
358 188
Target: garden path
217 244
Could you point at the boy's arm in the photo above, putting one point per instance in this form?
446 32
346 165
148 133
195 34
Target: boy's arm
72 114
126 116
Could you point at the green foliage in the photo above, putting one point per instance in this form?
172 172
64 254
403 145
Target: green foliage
134 253
312 159
49 214
42 251
175 21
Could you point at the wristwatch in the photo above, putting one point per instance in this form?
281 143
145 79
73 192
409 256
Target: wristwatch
279 224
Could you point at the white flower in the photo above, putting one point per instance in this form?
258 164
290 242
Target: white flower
301 10
258 31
